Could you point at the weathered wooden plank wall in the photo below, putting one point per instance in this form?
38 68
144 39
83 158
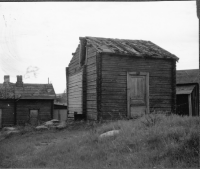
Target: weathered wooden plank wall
91 84
74 65
82 85
74 86
23 107
7 107
114 83
75 93
173 82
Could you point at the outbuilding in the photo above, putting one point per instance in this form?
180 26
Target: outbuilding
22 103
187 92
116 78
60 111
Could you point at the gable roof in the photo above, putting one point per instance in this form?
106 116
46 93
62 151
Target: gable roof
187 76
27 91
138 48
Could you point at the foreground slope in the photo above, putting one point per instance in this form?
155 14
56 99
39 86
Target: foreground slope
151 141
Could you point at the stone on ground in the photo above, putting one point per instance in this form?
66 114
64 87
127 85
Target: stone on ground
109 134
52 122
9 129
42 127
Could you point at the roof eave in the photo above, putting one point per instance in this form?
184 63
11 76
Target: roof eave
38 97
135 55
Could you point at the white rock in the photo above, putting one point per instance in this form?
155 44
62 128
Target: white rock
48 123
52 122
41 127
12 132
109 133
55 121
9 129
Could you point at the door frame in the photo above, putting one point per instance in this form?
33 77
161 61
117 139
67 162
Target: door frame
146 74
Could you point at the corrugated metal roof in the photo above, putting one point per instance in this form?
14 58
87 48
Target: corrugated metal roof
27 91
187 76
138 48
186 89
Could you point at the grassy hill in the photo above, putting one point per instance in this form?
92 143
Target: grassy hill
153 141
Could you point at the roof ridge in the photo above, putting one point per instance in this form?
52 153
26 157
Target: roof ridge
116 38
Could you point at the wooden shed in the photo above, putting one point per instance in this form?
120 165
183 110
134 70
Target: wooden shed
22 103
117 78
60 111
187 92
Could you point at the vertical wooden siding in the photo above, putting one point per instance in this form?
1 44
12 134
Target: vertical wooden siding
173 83
74 66
86 92
91 84
114 83
75 86
75 94
7 107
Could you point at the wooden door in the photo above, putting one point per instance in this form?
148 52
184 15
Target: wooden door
137 94
34 117
55 114
63 115
0 118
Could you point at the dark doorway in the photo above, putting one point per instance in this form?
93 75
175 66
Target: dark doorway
182 104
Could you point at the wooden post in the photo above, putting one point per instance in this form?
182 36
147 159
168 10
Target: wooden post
190 104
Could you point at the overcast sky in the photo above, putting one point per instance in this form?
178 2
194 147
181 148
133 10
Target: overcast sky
40 37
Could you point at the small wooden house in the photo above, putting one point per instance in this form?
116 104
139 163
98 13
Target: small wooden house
115 78
22 103
187 92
